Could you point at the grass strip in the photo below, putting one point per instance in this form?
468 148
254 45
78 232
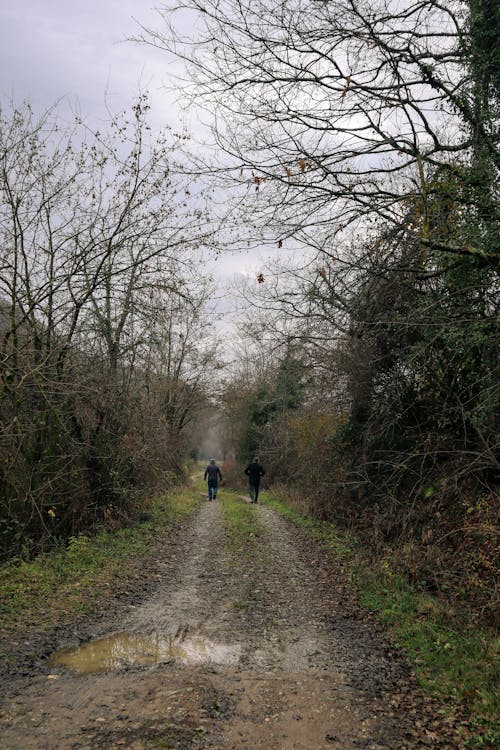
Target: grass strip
55 586
453 659
242 524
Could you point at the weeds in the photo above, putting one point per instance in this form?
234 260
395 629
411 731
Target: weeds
67 581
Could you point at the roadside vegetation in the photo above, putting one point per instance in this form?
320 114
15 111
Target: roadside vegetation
453 658
81 576
103 312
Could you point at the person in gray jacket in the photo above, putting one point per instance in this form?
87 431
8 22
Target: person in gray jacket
213 474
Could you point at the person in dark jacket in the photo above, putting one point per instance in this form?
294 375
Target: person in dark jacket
254 472
213 474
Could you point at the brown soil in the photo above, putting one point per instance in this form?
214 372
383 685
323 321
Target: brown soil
268 651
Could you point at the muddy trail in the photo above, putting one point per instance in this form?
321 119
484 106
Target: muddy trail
262 650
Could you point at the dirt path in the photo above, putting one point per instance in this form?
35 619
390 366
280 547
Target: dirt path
241 654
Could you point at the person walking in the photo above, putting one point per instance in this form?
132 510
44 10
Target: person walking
254 472
213 474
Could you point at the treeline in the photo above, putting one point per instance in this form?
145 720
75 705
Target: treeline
101 311
361 142
392 429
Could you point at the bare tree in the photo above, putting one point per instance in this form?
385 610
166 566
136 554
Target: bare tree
179 353
332 112
91 225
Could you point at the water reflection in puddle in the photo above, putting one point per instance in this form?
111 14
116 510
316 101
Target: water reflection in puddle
134 649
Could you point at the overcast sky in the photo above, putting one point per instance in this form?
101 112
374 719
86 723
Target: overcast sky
77 49
55 48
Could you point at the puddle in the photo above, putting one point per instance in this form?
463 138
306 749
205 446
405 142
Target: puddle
134 649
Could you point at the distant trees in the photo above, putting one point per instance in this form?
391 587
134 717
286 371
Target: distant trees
257 404
100 310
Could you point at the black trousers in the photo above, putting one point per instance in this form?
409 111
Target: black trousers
254 491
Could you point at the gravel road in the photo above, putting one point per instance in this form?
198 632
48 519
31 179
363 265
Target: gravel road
263 650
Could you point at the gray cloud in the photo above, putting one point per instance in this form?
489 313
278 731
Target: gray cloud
52 48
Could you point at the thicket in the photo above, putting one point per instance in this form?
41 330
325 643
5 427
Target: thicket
393 432
100 373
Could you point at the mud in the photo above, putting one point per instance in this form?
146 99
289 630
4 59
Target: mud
267 651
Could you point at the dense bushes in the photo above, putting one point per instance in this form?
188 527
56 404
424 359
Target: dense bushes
78 452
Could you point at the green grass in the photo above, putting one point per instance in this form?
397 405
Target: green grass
241 522
72 580
240 519
453 659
